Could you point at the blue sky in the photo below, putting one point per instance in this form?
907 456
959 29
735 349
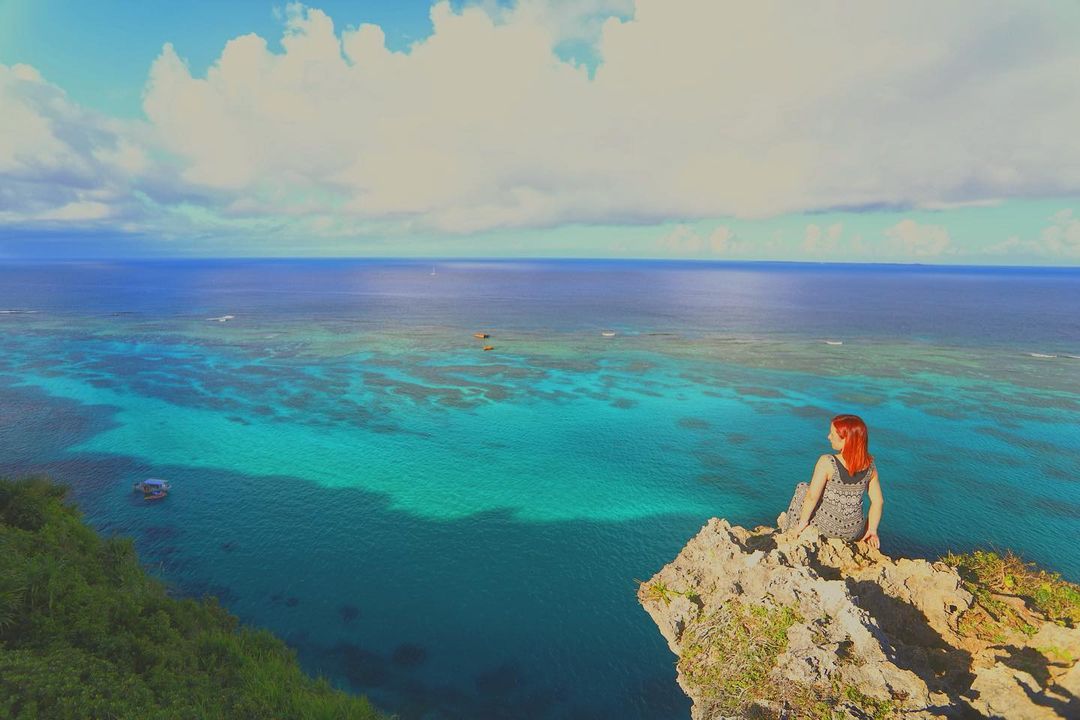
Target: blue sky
100 52
541 128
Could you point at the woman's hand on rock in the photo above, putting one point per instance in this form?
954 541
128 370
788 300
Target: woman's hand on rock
871 538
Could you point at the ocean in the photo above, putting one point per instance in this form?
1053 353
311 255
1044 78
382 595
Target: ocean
459 533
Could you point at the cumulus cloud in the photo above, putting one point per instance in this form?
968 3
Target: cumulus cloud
822 241
684 241
1062 237
912 240
58 161
693 109
723 241
697 109
569 21
1011 246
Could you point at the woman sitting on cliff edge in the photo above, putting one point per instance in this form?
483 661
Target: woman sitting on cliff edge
833 500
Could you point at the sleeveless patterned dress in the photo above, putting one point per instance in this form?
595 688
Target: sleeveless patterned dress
839 513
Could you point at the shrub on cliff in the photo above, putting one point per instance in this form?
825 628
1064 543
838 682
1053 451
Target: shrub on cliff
993 579
85 633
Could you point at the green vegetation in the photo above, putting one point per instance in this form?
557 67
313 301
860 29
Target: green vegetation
728 658
1009 593
801 702
729 654
85 633
874 708
660 592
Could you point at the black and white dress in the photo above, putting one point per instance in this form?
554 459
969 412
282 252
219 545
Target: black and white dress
839 514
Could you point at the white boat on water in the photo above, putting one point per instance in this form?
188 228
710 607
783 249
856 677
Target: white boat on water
834 342
608 333
152 489
151 485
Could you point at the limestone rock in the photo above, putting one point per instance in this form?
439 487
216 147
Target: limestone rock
767 624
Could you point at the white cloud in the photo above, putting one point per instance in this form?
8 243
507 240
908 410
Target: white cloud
1011 245
723 241
697 109
685 241
568 21
1059 240
1063 236
912 240
940 205
81 210
822 241
59 162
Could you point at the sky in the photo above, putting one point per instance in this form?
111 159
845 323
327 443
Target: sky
914 132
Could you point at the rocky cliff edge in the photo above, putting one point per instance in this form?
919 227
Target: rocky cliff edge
769 625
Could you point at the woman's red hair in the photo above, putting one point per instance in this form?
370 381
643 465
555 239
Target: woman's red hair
852 430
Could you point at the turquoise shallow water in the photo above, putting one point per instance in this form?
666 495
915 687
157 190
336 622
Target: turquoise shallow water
444 528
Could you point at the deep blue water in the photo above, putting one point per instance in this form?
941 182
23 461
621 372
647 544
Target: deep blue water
449 529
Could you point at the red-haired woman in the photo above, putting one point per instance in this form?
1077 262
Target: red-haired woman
833 500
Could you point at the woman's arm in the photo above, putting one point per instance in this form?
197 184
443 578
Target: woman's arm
813 493
877 501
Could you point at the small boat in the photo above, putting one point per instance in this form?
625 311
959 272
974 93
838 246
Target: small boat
155 495
482 336
222 318
151 485
432 273
608 333
488 347
834 342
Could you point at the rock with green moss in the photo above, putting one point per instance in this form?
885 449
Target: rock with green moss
769 625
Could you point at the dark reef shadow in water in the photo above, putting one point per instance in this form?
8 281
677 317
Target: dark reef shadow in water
396 676
495 541
409 655
36 428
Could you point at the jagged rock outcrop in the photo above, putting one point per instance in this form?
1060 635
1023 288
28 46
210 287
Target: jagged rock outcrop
767 624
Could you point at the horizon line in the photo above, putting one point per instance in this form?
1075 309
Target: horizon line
508 259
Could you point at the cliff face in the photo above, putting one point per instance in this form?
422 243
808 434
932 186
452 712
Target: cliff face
768 625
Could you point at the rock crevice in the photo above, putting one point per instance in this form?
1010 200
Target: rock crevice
767 624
